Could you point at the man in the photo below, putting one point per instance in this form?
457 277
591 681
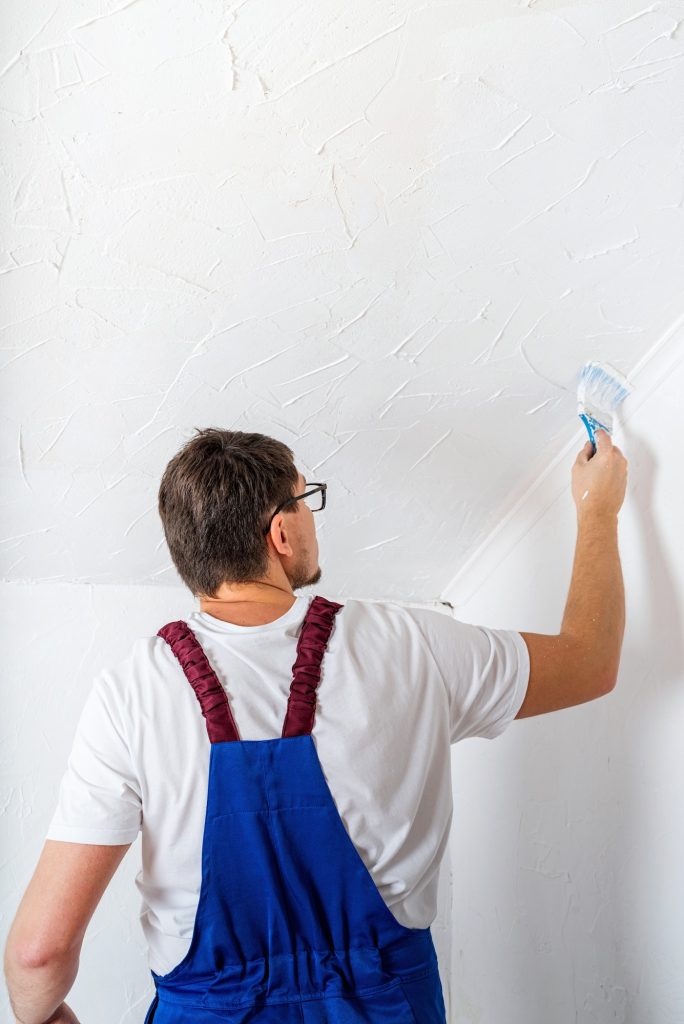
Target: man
378 690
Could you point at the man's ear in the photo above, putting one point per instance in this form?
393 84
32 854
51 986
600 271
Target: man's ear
280 535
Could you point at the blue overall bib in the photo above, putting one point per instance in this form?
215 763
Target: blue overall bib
290 926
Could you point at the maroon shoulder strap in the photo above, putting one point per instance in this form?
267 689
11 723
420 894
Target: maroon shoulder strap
306 671
204 681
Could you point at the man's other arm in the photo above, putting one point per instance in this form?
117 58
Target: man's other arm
581 663
44 943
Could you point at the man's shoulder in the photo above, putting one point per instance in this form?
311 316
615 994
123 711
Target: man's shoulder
394 608
393 617
145 658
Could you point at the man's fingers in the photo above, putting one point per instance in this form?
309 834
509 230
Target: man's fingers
586 452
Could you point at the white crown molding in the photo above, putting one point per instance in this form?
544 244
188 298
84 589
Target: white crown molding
552 483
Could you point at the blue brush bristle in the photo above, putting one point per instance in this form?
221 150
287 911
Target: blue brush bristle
601 388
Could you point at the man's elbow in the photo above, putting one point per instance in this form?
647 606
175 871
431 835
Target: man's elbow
610 683
32 956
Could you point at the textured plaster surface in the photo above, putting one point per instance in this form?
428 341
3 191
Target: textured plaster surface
567 841
388 235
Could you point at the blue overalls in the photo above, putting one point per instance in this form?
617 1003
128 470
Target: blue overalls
290 926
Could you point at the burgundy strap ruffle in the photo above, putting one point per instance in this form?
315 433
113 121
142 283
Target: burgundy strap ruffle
204 681
306 673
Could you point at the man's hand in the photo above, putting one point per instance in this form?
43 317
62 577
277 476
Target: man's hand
599 481
62 1015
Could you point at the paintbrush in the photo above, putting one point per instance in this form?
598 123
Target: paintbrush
600 390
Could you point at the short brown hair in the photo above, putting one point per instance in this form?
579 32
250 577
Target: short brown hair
214 501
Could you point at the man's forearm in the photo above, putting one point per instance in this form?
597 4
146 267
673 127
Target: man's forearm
595 608
37 992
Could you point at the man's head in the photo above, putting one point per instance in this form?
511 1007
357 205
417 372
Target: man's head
216 497
292 541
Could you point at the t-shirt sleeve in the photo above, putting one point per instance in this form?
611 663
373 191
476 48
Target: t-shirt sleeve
485 672
99 795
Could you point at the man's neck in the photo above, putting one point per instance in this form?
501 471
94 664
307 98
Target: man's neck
250 607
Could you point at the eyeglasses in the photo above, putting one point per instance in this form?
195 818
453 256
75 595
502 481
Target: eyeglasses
315 499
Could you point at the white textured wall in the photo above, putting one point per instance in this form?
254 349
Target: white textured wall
568 836
390 233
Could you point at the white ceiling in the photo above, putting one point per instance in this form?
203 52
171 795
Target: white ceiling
389 235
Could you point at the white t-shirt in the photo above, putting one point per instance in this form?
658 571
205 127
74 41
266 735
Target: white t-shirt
398 685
